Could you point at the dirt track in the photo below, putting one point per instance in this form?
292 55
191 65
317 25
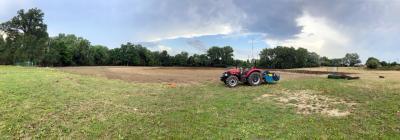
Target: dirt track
162 74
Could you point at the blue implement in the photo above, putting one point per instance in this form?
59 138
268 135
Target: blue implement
270 78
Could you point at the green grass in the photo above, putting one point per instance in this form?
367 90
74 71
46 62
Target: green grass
46 103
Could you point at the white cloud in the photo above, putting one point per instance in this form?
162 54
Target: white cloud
317 35
156 46
188 33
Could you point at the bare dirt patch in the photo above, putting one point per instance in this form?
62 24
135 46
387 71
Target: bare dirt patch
168 75
308 102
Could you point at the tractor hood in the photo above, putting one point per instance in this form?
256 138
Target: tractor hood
233 71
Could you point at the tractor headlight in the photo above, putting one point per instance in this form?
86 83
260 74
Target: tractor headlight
225 74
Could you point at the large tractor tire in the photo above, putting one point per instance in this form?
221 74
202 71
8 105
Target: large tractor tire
254 79
232 81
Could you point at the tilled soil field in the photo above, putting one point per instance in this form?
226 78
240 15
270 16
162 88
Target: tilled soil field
162 74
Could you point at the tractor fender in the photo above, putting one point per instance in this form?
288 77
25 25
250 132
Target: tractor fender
253 70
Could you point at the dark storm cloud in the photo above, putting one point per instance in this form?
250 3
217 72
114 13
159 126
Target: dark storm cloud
348 12
276 18
179 18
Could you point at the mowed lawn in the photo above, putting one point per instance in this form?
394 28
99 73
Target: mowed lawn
48 103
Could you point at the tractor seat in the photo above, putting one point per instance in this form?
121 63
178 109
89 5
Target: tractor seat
244 71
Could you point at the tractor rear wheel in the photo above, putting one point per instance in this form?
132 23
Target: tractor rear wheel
232 81
254 79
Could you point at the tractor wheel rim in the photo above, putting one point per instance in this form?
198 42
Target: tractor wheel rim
232 82
256 79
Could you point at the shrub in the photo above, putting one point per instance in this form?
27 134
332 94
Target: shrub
373 63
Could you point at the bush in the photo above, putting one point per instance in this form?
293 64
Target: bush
373 63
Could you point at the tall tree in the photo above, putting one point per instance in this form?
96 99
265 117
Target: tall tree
99 55
27 35
130 55
81 52
227 55
144 55
3 55
155 59
279 57
350 59
337 62
115 56
313 60
325 61
301 57
165 58
215 55
181 59
220 56
373 63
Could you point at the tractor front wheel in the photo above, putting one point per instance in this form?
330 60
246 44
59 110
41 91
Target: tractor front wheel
232 81
254 79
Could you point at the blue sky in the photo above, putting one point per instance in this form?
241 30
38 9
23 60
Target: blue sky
330 28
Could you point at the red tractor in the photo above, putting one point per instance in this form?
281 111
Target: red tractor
253 77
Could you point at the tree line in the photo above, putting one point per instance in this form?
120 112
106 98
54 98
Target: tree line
25 41
282 57
374 63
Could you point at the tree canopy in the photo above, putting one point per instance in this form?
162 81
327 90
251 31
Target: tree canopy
372 63
288 57
26 36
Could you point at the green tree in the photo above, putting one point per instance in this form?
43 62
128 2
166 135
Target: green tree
204 60
165 59
81 52
3 53
313 60
27 35
325 61
59 51
351 59
288 57
181 59
393 64
373 63
337 62
198 60
215 55
54 53
115 56
301 57
227 55
129 54
220 56
279 57
384 63
155 59
144 55
99 54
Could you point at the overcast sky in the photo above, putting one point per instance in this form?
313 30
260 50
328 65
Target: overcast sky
329 27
